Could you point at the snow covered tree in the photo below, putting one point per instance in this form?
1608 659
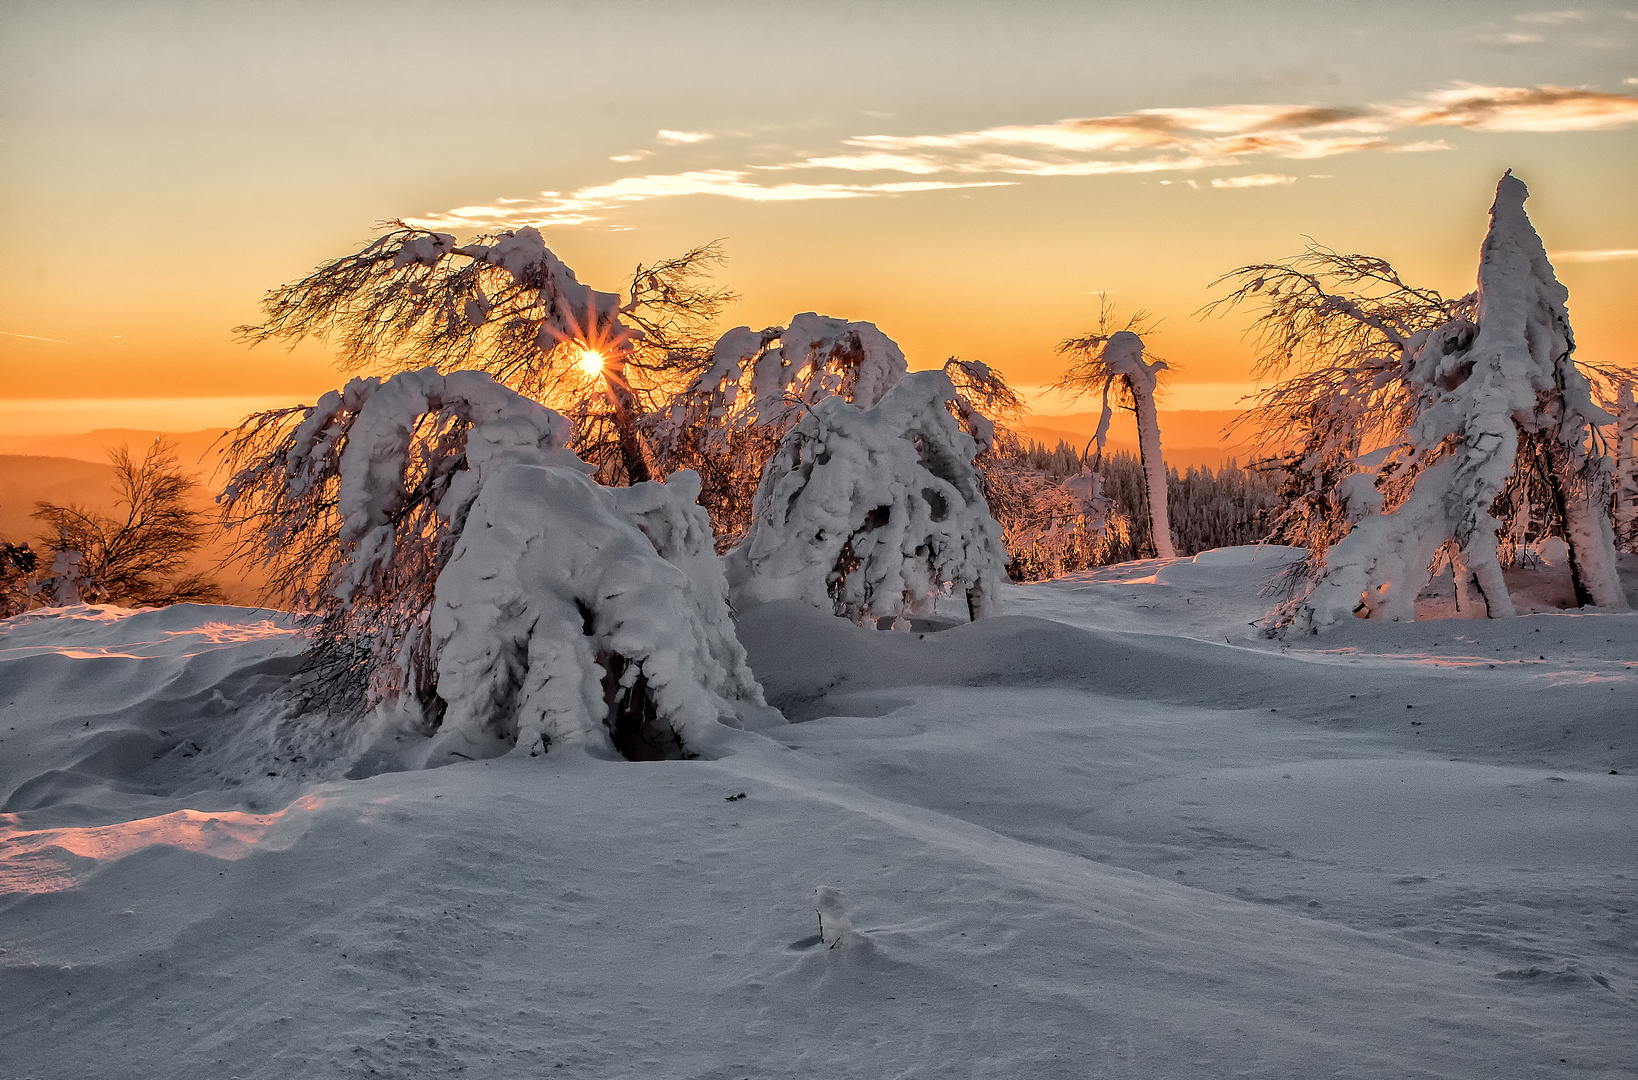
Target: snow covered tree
874 512
508 306
571 614
1114 360
1486 392
1617 398
727 420
576 615
1333 335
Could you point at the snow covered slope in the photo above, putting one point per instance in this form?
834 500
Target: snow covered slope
1116 833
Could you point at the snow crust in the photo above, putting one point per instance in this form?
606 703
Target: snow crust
873 512
1090 837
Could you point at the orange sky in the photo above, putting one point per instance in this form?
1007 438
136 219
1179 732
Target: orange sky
967 176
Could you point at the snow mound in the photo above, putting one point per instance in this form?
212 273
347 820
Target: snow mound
111 708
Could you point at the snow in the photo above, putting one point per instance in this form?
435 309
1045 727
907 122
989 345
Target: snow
873 512
1123 355
573 311
1117 832
817 356
553 597
1479 384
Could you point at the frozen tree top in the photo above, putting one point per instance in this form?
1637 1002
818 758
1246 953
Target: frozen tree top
816 356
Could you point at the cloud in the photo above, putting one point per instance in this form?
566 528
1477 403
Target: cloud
1607 255
1254 180
1550 18
1161 140
591 203
1518 108
1189 139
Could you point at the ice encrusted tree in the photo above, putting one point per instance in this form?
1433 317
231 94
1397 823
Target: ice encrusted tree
874 512
1487 391
458 560
507 305
1114 360
727 421
1333 336
1619 401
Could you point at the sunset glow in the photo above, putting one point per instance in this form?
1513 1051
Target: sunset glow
970 212
30 859
590 362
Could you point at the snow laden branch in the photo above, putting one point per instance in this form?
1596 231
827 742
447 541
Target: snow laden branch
438 528
1333 334
508 306
1484 389
874 512
727 420
1114 360
572 615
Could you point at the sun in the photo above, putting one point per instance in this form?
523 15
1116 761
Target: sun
590 362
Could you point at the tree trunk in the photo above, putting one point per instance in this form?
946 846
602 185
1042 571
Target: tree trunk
1581 502
626 412
1154 468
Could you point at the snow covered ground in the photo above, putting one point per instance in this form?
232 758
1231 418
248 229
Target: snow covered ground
1114 833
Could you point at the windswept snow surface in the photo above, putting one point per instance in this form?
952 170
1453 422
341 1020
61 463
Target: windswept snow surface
1116 833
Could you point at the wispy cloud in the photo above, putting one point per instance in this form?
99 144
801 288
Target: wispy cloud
1523 108
1189 139
1163 140
1550 18
1607 255
1254 180
590 203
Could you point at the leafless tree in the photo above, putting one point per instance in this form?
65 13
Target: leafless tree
1334 336
137 557
506 305
1115 359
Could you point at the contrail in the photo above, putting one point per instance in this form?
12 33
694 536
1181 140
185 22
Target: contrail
31 337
